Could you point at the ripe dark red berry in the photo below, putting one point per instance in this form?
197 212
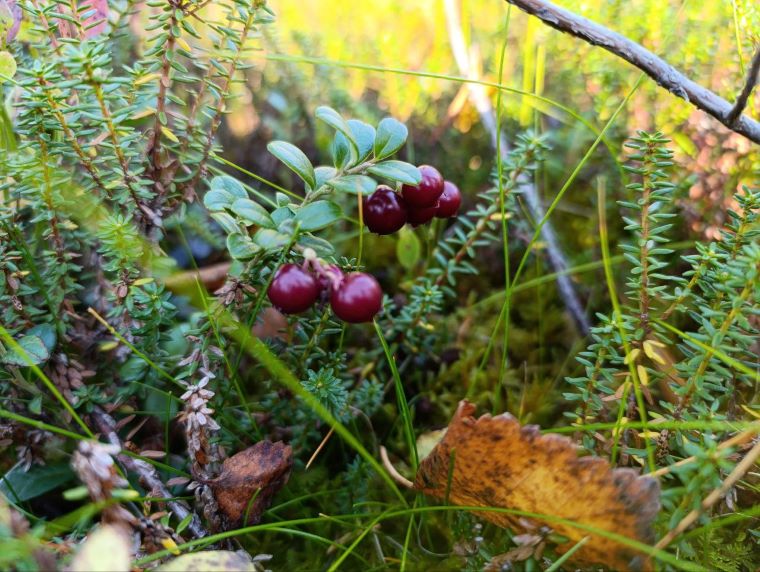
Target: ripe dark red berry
357 299
450 201
427 192
418 216
384 211
293 290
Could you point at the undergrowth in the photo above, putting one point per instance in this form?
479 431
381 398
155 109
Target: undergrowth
110 161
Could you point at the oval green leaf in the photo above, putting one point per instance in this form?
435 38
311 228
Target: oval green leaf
318 214
252 213
408 248
294 159
391 135
241 246
397 171
355 184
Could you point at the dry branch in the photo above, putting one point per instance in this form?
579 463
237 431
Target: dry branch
148 476
655 67
482 102
749 84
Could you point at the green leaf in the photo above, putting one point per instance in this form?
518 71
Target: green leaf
364 135
334 120
323 175
391 135
321 246
318 214
20 485
218 199
184 523
217 560
230 185
7 66
270 239
32 348
354 184
397 171
294 159
408 248
226 221
282 214
341 152
46 332
252 213
241 246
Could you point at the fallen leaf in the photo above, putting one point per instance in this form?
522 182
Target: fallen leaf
250 479
210 561
499 463
107 549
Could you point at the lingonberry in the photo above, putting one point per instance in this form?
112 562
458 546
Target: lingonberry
418 216
450 201
384 211
293 289
427 192
357 299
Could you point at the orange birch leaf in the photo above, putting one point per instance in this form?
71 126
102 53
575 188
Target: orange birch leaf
499 463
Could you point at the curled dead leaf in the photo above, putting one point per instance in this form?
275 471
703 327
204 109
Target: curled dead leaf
499 463
250 479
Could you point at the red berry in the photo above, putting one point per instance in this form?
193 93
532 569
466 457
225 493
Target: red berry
293 290
357 299
418 216
450 201
384 211
427 192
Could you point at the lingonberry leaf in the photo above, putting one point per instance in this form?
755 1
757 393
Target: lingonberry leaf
230 185
7 66
408 248
397 171
391 135
334 120
31 351
218 200
499 463
364 136
318 214
294 159
269 239
252 213
241 246
355 184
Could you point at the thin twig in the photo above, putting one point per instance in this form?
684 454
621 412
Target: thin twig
655 67
739 471
749 84
148 476
483 105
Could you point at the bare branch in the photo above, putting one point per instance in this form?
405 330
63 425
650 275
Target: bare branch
749 84
148 476
655 67
482 102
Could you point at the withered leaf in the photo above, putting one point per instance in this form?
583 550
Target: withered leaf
499 463
256 473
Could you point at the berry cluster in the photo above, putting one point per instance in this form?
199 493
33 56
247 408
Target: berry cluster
386 211
355 297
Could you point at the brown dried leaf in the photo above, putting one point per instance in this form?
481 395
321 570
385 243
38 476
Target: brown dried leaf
260 470
498 463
